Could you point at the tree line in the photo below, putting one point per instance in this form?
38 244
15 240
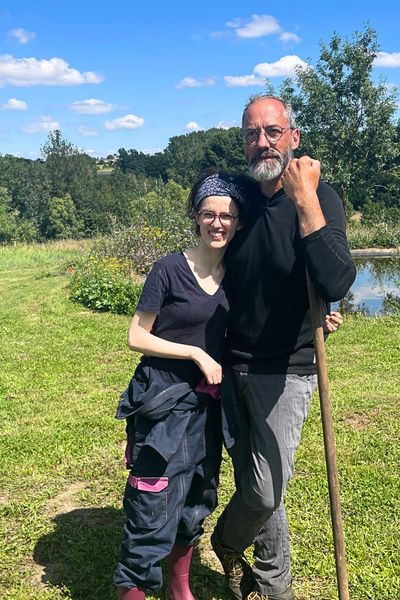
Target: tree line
347 121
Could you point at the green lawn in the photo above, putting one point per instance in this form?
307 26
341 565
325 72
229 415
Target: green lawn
61 450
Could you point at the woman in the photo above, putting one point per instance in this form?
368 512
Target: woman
171 404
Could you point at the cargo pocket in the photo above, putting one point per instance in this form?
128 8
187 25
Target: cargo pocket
145 501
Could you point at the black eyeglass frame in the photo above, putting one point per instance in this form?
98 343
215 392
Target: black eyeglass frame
264 130
225 218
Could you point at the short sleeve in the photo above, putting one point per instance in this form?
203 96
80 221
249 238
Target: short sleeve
154 291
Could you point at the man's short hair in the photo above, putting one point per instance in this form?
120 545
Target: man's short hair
287 107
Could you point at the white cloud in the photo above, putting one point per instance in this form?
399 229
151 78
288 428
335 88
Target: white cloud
87 131
26 72
258 26
284 67
385 59
126 122
14 104
286 36
22 35
91 106
243 80
193 126
46 124
193 83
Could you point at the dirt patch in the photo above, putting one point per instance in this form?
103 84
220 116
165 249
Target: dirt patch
4 498
361 421
66 501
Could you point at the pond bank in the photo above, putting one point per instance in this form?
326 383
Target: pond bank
366 252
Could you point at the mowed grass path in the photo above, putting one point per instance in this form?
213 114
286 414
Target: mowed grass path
61 450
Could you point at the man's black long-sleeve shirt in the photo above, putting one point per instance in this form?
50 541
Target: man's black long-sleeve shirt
270 327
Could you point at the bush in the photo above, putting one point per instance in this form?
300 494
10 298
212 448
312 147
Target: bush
103 283
139 245
391 302
381 235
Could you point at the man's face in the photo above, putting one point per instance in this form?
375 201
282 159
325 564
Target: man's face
267 159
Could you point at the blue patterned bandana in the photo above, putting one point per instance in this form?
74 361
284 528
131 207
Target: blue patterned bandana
219 185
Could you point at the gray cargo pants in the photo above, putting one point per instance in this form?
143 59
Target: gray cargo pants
263 418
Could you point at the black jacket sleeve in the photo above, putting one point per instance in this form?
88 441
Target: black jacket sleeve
326 250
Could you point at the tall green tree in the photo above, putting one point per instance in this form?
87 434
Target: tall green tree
188 155
348 121
28 186
61 220
185 157
223 149
71 172
8 218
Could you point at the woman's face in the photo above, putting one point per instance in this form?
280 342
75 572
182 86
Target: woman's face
217 232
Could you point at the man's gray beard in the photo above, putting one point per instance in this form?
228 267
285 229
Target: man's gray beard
271 168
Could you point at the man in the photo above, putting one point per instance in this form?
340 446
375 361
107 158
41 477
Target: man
295 221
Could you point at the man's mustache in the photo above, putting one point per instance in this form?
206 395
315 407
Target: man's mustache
268 153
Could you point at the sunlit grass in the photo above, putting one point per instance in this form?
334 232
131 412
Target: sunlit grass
61 450
30 256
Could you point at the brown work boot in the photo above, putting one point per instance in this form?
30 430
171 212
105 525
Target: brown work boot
238 573
286 595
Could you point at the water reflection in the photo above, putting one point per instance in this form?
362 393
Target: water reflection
376 289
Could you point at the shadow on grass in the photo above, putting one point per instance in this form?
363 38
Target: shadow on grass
80 555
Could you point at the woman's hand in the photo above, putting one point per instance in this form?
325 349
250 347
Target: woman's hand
333 321
211 370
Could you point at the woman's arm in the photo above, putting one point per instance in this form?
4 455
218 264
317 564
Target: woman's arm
142 340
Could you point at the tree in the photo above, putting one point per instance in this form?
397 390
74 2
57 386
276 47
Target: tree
71 172
184 155
347 121
8 218
61 220
223 149
188 155
28 186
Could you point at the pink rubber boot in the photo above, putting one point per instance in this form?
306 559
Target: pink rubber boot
130 593
178 563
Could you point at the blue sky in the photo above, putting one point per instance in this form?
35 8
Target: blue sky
134 74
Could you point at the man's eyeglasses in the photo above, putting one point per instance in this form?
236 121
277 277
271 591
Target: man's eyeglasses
273 134
208 216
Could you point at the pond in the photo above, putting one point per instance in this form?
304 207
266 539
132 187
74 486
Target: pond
377 282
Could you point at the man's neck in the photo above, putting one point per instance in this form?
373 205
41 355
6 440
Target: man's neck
269 188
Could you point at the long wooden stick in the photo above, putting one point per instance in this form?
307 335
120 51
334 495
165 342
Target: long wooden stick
329 443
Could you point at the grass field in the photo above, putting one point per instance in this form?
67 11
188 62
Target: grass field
61 450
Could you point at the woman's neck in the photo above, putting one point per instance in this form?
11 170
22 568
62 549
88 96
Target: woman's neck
207 266
206 259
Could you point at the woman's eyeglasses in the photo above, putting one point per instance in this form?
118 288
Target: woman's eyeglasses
208 216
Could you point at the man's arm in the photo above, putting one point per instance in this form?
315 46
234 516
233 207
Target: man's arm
322 226
326 250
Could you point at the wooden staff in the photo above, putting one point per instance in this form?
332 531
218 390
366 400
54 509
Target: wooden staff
329 443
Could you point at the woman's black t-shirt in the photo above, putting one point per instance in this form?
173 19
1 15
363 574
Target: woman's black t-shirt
186 314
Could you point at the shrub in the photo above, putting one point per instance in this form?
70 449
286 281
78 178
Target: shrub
391 303
381 235
104 279
139 245
103 283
